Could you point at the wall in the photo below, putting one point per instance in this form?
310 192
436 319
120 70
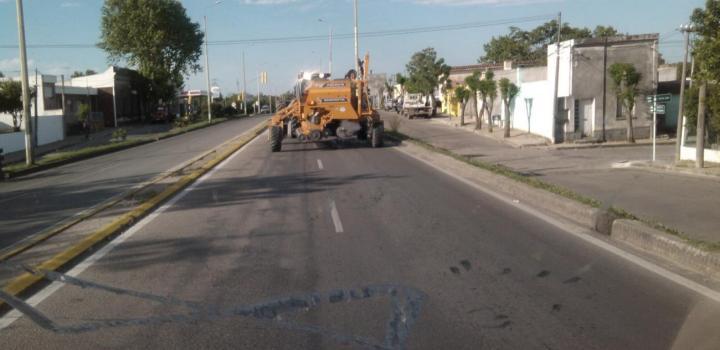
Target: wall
541 118
50 130
688 153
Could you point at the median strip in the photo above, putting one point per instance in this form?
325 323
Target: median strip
26 280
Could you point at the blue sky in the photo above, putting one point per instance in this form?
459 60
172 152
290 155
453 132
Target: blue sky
77 22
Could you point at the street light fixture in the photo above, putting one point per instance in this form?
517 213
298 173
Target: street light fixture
207 62
330 67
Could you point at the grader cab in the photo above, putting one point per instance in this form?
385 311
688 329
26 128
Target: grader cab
329 109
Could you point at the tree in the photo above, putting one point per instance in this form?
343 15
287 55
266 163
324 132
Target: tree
707 56
473 84
2 75
604 32
461 95
154 36
401 80
508 92
82 74
521 45
425 72
625 80
11 101
488 94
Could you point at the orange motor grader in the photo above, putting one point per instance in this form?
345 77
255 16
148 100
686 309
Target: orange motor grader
329 109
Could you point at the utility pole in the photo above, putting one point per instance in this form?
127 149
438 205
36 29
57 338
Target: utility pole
700 138
207 72
331 50
604 98
655 88
244 89
556 110
29 160
357 49
35 128
686 29
62 100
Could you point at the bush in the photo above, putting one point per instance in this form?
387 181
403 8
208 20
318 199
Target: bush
119 134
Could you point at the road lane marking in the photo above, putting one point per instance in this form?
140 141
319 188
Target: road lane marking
44 293
579 232
336 217
320 164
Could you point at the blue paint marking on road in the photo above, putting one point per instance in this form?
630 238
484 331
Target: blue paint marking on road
406 304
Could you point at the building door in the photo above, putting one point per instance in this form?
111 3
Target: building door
587 117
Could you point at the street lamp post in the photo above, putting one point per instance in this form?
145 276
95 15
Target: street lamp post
207 73
357 49
207 63
330 64
686 29
25 84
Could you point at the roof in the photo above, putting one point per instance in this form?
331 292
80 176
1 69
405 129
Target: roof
613 40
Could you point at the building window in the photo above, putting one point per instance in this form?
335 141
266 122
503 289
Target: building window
619 115
576 116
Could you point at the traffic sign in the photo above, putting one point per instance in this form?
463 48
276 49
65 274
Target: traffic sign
658 98
660 109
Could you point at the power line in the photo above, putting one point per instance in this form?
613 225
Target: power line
288 39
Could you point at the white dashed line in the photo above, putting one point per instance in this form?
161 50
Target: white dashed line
336 217
320 164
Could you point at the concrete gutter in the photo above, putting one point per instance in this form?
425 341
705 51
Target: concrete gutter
25 281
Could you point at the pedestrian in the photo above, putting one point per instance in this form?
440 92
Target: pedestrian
86 128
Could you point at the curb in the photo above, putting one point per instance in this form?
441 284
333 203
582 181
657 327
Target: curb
604 221
666 169
646 238
51 165
612 145
26 280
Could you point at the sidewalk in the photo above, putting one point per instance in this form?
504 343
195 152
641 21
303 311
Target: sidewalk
517 139
684 203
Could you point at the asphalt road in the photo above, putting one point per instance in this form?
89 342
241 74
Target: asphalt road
318 247
36 202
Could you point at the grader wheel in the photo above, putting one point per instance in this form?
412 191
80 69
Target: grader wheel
276 138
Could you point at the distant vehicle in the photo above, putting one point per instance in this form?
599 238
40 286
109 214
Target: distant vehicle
265 110
388 103
161 115
415 105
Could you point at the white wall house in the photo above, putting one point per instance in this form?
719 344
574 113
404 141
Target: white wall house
51 126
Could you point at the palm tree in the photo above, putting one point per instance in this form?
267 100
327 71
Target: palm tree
508 92
461 95
473 84
488 94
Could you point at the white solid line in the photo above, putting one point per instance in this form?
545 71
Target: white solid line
336 217
320 164
586 236
43 294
